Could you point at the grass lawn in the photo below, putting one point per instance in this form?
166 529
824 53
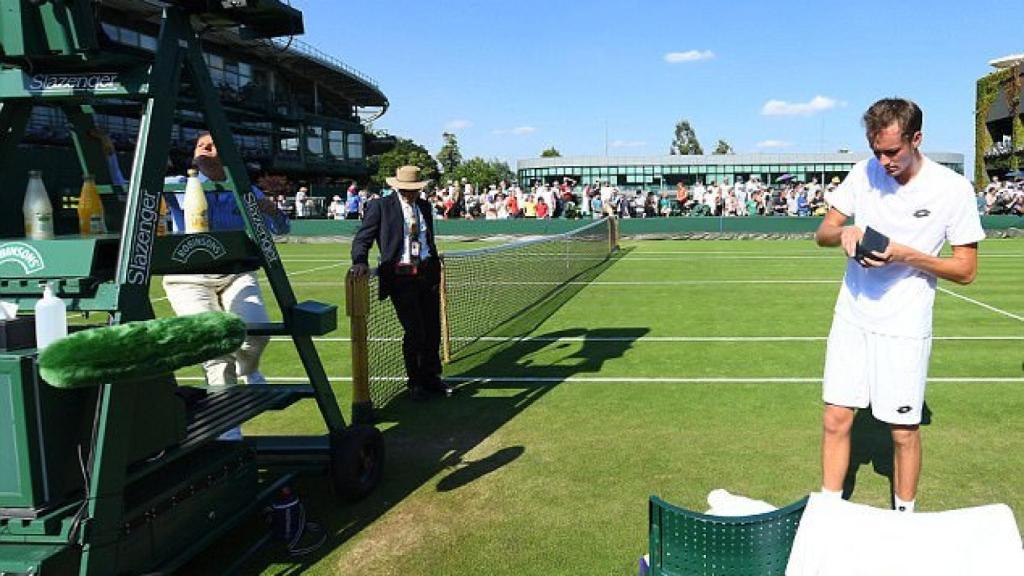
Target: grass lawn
684 367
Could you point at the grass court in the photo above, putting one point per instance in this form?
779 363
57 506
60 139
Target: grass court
683 367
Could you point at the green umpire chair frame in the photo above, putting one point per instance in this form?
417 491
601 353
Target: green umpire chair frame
686 543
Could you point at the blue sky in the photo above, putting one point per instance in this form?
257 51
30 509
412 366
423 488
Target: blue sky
512 78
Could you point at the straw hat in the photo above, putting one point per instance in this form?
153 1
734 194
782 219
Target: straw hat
407 178
836 180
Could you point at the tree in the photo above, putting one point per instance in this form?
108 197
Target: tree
449 155
551 153
686 140
482 173
723 147
273 185
406 152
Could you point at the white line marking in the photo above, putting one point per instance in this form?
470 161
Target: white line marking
601 282
982 304
649 282
738 254
625 379
683 257
645 339
318 268
598 283
728 380
784 254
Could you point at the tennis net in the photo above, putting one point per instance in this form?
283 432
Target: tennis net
483 291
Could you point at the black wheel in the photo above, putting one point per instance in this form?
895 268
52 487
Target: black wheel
357 461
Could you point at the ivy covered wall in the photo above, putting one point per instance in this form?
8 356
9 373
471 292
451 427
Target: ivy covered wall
1007 81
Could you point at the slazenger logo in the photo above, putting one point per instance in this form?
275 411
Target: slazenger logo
263 238
23 255
198 243
922 213
97 82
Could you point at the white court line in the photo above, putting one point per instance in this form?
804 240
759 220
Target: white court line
644 339
982 304
602 282
639 252
626 379
741 255
289 275
725 380
665 282
632 258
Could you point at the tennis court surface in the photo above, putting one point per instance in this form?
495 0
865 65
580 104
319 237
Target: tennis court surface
676 368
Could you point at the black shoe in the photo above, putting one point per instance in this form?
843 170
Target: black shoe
441 388
418 394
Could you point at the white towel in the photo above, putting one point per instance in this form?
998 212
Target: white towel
724 503
840 538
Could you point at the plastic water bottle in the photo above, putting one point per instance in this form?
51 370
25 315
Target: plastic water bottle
90 209
195 206
163 224
37 210
51 318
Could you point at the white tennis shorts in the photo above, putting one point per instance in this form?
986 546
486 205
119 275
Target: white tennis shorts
885 372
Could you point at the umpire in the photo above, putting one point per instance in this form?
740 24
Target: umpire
410 274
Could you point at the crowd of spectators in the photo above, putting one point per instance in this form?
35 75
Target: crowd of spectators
566 198
1002 197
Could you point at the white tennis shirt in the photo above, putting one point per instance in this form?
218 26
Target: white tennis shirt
936 206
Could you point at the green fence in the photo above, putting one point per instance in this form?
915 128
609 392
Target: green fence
629 227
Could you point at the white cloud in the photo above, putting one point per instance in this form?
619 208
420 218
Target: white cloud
627 143
454 125
773 144
517 131
783 108
688 56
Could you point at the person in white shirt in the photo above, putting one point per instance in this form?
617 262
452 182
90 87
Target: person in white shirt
300 202
880 341
698 192
740 192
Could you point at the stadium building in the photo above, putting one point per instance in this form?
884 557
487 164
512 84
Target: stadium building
999 120
667 171
294 110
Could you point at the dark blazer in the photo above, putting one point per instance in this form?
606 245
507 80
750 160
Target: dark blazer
384 223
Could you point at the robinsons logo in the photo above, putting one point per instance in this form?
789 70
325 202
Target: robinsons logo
96 82
23 255
198 243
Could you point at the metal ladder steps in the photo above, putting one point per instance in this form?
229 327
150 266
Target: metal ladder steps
222 410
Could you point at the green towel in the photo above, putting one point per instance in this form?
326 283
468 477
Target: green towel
139 349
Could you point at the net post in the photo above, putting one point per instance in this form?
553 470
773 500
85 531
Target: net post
357 307
446 342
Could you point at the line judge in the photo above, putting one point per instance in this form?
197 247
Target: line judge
410 274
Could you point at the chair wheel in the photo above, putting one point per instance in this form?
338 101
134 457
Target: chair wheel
357 461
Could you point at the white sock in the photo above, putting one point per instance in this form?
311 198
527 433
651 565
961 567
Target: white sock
835 494
902 505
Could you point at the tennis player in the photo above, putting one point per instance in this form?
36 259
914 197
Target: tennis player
880 342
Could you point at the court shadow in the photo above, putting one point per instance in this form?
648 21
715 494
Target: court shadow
496 379
476 468
871 445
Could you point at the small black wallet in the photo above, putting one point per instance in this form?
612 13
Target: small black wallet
873 241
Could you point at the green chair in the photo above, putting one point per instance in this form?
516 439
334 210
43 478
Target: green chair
685 543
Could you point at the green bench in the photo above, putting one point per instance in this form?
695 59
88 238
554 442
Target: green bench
686 543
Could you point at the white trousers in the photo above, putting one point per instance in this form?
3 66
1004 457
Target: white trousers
236 293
